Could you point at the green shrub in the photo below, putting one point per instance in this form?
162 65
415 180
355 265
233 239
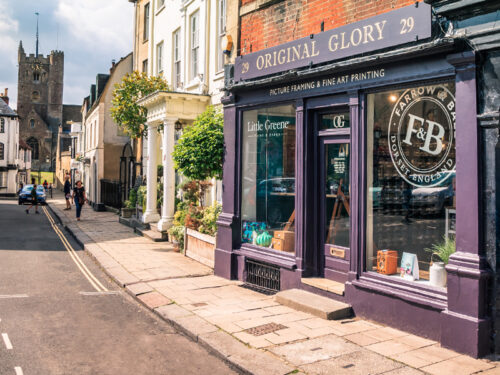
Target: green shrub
200 150
209 219
132 197
443 249
141 197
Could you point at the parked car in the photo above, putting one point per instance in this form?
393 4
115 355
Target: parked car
25 194
432 200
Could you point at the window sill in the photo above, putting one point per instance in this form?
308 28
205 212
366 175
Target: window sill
263 254
192 84
414 292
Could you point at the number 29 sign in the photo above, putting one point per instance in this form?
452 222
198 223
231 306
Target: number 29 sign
400 26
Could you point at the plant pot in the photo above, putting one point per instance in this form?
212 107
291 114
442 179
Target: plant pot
127 212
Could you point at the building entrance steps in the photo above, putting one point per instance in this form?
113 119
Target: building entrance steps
153 233
311 303
324 284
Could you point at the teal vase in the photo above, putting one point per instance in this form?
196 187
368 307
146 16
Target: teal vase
264 239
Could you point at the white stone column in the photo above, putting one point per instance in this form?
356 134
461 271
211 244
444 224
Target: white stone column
168 208
151 214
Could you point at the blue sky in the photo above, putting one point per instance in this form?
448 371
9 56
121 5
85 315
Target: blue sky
90 32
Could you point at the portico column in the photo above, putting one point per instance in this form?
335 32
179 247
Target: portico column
151 214
168 208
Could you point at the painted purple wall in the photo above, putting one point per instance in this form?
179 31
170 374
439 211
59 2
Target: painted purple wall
459 318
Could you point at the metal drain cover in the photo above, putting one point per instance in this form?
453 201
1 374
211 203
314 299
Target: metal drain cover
265 329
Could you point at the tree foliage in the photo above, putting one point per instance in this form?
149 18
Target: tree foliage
125 110
199 152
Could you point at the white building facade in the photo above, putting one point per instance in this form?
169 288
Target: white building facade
9 148
100 141
185 39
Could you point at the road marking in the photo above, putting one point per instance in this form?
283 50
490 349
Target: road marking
83 268
13 296
19 370
6 340
99 293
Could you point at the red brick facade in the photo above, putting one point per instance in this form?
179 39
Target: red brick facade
288 20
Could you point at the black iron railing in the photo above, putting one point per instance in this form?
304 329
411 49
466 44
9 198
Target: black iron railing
111 193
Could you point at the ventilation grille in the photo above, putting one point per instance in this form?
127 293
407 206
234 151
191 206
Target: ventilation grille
263 276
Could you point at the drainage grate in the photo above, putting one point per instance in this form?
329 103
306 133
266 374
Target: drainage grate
263 276
265 329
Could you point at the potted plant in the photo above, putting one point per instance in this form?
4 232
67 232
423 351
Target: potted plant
129 205
437 271
176 234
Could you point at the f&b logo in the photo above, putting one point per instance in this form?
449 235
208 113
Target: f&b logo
422 135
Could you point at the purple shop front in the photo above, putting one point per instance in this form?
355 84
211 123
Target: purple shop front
363 172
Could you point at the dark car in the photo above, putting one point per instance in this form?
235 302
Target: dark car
25 194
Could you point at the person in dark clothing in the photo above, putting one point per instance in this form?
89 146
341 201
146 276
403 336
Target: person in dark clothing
79 198
34 201
67 192
45 184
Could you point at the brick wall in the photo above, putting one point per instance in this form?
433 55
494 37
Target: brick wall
283 21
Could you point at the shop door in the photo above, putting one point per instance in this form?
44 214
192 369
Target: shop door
334 202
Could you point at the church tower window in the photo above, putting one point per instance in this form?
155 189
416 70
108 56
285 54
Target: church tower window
33 143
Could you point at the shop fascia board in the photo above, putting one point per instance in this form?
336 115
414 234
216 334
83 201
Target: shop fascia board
162 105
425 49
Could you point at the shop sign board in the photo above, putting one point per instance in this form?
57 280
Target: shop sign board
390 29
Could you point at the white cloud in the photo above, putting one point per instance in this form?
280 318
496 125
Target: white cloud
100 25
9 28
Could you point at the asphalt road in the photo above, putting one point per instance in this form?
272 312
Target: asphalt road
52 321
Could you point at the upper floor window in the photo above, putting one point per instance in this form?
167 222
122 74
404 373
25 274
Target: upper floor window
32 123
1 151
177 58
145 66
145 35
159 58
33 143
36 76
2 125
195 43
161 3
221 24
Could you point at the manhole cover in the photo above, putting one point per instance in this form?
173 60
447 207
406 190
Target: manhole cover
265 329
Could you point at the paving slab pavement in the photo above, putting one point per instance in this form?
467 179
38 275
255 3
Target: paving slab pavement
251 331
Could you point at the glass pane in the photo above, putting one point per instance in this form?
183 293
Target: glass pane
335 121
337 194
268 178
411 180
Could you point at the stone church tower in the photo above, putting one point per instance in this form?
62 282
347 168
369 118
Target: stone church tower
40 105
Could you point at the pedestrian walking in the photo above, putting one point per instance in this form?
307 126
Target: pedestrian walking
21 185
67 192
34 201
45 184
79 198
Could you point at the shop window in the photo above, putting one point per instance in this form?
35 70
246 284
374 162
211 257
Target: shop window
268 178
411 181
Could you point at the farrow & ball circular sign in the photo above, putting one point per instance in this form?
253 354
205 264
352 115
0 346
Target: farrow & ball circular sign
421 135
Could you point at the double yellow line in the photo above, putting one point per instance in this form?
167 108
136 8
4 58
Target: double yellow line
81 266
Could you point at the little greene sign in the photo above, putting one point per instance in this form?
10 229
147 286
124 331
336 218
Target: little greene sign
400 26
